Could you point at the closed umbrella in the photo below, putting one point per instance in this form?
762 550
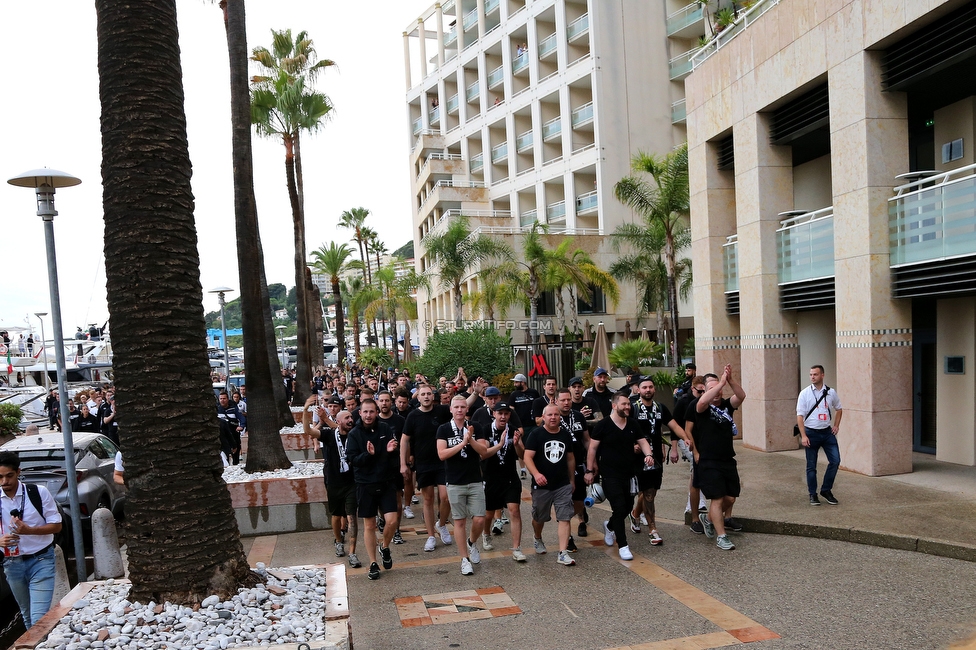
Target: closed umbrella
601 349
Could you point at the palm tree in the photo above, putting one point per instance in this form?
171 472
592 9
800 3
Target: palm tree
282 107
455 252
359 296
492 295
354 220
184 542
371 240
581 274
331 261
396 297
663 204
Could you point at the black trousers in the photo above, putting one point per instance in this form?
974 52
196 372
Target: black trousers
617 491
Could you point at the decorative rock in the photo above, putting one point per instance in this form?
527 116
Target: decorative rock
210 601
80 604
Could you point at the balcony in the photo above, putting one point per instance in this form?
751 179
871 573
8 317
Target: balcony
418 125
528 218
679 113
805 246
450 37
552 129
452 104
730 265
470 19
556 212
474 216
471 92
477 163
499 153
587 203
686 22
434 115
583 115
680 66
578 27
496 77
742 22
523 142
547 46
491 6
521 62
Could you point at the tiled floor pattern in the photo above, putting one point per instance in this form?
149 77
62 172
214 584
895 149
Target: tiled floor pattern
455 607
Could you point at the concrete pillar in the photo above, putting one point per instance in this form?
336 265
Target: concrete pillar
869 147
481 19
769 354
440 35
61 583
423 48
406 59
105 546
459 26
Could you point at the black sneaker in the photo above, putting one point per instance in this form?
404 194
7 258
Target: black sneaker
814 501
733 524
397 538
387 558
581 531
571 546
374 571
380 523
828 497
697 528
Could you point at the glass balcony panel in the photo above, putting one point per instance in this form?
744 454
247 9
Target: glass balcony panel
452 103
935 221
686 17
491 6
471 92
520 62
552 129
547 46
477 163
499 152
523 142
587 202
496 76
680 66
470 19
528 218
583 115
730 263
418 124
805 250
679 112
451 36
556 211
435 115
578 27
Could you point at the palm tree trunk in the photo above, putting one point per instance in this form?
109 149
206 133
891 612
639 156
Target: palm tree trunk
458 314
355 335
534 309
669 261
177 554
316 318
383 319
313 326
340 321
396 345
303 375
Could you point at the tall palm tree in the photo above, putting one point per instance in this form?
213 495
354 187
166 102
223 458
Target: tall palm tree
152 269
396 297
358 296
492 294
266 397
283 105
580 274
455 252
355 220
663 204
375 246
331 261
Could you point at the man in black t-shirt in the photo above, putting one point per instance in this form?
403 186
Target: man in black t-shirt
549 387
461 445
599 392
521 400
713 429
503 488
549 458
340 485
681 408
574 422
419 441
384 401
584 403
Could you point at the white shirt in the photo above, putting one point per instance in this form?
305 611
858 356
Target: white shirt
119 467
823 416
30 543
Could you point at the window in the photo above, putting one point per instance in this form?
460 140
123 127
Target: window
591 302
547 304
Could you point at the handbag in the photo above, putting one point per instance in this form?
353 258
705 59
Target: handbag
796 427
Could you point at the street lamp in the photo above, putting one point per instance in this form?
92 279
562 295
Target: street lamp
220 291
47 379
45 182
281 338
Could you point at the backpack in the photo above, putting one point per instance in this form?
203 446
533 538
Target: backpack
34 495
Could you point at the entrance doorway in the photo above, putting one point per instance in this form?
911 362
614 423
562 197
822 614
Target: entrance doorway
925 369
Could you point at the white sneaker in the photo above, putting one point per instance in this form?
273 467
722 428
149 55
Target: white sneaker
655 538
504 518
473 552
625 553
610 538
407 512
565 559
466 568
540 547
445 534
518 555
430 545
415 499
486 542
643 520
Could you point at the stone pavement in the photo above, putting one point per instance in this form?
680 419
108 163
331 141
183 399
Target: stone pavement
606 603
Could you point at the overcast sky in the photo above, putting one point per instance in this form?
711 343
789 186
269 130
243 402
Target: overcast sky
51 117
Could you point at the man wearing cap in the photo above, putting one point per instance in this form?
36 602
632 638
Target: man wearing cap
503 488
586 405
485 415
602 395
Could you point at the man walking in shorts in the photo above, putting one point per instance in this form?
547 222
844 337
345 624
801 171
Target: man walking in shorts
549 459
340 485
503 487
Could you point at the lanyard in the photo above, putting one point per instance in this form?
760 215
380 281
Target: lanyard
343 464
460 436
494 441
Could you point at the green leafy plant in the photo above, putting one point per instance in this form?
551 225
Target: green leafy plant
724 17
665 379
10 416
371 357
633 354
479 350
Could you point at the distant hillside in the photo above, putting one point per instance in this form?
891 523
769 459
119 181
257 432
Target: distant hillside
405 251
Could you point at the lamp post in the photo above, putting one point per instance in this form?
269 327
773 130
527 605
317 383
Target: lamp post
47 378
220 291
281 339
45 182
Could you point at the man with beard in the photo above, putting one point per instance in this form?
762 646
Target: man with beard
385 403
599 392
340 484
549 458
574 422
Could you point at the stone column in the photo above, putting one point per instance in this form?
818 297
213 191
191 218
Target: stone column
440 35
763 189
481 19
406 59
869 147
423 48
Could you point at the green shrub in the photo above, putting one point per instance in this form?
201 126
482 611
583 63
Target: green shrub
663 378
479 350
10 416
372 357
633 354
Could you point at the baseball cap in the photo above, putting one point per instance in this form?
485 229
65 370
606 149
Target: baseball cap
601 371
522 378
575 380
335 399
492 391
502 406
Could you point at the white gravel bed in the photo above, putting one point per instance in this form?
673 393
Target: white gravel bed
297 409
298 469
104 618
298 428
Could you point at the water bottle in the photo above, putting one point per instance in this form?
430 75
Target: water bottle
589 501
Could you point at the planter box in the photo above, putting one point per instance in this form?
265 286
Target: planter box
298 446
280 505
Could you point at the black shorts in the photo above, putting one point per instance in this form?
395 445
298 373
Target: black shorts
650 479
718 479
579 486
342 499
375 498
398 482
499 492
427 476
694 476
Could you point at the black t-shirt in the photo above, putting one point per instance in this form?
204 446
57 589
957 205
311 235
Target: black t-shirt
486 418
551 456
538 405
713 431
616 451
586 400
521 403
681 409
334 452
651 421
462 468
575 423
421 427
395 422
603 399
90 424
502 463
381 465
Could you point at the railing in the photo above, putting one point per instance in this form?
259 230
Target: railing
551 129
499 152
681 66
471 92
460 184
437 156
587 202
685 17
520 62
477 163
528 218
434 115
496 230
730 32
547 46
452 103
805 246
556 211
496 76
583 115
730 263
523 142
470 19
933 218
418 125
451 36
679 112
491 6
578 27
480 214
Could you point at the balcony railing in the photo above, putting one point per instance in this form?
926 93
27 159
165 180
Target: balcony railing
437 156
934 218
452 103
418 124
730 32
471 92
470 19
499 153
491 6
451 36
477 214
583 115
528 218
586 203
477 163
434 115
805 246
496 76
552 129
578 27
523 142
520 62
680 66
685 17
730 263
679 112
547 46
556 211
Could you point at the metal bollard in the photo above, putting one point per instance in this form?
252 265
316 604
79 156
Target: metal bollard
105 546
